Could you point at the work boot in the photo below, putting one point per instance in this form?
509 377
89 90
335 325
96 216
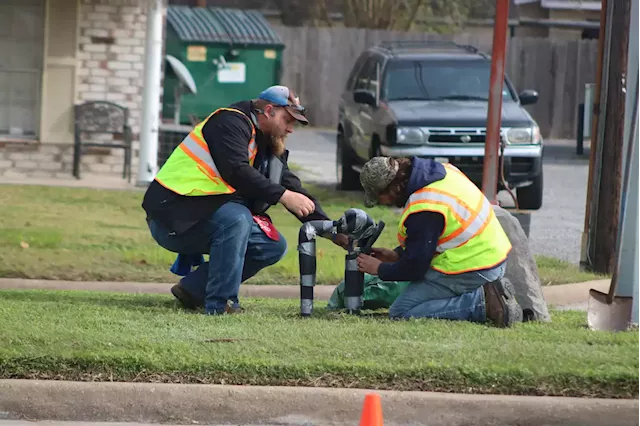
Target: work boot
229 309
233 309
187 301
501 305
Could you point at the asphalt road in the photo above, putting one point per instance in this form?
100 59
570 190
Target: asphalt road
556 228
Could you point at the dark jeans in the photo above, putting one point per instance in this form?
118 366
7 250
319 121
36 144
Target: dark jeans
453 297
237 250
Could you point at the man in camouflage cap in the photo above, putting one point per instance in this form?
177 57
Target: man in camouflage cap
452 247
376 175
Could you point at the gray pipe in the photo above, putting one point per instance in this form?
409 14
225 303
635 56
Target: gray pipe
307 259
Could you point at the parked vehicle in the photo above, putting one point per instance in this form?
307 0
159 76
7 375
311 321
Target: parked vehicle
430 99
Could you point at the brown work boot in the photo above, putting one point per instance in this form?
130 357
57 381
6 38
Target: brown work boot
228 310
501 305
185 298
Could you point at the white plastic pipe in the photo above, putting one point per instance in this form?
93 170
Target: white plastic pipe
148 164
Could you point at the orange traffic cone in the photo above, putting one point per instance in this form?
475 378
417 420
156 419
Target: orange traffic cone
371 411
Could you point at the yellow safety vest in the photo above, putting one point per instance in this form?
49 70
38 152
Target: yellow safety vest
472 239
190 169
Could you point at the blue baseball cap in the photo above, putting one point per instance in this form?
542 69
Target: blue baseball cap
286 98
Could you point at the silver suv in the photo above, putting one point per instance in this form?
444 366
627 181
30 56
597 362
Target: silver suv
429 99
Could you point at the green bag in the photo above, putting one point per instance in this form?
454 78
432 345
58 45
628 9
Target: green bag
377 293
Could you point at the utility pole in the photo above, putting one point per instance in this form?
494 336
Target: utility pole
494 115
607 203
603 60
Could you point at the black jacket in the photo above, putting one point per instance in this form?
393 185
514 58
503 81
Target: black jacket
227 135
423 228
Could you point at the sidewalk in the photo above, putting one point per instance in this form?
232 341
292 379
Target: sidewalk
561 296
188 404
88 181
226 404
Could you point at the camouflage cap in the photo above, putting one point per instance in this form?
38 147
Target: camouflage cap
376 175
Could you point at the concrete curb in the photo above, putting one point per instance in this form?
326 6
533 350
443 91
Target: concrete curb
558 295
220 404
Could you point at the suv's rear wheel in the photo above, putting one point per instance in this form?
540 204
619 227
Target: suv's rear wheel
348 179
530 197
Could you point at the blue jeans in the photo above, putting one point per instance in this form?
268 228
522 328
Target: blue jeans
453 297
237 249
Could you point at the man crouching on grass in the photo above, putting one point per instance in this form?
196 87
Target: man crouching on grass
212 194
452 247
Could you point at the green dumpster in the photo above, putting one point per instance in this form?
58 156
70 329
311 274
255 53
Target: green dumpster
231 55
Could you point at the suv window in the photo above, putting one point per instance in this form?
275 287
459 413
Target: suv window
354 71
366 76
439 79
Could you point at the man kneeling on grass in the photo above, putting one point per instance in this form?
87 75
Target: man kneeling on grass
452 247
212 194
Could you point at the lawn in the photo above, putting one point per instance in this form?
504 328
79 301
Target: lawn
123 337
83 234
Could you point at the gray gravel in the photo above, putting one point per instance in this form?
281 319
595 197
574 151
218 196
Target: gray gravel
556 228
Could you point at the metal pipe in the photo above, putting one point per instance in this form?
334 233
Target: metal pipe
628 251
599 126
362 232
585 250
307 260
148 164
494 115
353 284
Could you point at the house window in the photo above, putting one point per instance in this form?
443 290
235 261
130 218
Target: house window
591 33
21 56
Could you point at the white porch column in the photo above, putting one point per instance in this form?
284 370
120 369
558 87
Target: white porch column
148 165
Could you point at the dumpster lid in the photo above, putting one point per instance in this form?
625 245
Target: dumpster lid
222 25
182 73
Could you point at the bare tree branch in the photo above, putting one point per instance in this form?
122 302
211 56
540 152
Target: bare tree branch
352 7
413 14
324 12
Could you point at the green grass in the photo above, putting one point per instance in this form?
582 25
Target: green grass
122 337
83 234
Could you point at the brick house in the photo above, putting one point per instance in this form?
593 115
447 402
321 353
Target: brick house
54 54
58 53
558 10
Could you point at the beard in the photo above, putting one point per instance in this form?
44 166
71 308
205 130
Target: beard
278 145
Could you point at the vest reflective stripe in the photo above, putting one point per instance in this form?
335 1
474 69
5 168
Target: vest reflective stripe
468 230
472 238
460 210
200 155
190 169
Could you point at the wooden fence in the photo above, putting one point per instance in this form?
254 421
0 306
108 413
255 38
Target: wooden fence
317 62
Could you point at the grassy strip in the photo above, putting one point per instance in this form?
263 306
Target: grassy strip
81 234
123 337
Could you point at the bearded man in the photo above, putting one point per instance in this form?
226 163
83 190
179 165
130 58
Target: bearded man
212 194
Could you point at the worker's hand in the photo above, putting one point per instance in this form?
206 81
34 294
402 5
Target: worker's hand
368 264
385 255
298 204
341 240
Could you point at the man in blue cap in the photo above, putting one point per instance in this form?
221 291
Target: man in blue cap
212 194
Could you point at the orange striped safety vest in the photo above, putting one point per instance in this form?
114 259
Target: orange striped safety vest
473 238
190 170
